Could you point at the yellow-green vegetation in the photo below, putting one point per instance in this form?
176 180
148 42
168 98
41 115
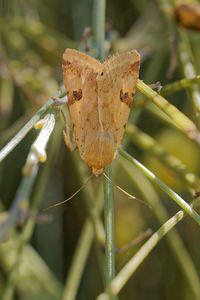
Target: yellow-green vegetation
102 244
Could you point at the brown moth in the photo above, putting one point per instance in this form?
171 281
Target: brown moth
99 99
188 15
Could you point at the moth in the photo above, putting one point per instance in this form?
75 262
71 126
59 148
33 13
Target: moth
188 15
99 99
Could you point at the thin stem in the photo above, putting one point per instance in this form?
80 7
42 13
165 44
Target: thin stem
99 26
22 197
147 143
149 194
185 54
36 154
28 228
99 18
29 125
127 271
94 207
179 85
186 207
183 122
89 231
23 194
79 261
109 226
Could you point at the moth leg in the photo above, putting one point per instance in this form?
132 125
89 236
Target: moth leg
69 141
67 138
59 101
157 86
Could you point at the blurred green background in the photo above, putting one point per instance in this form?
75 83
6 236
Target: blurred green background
33 37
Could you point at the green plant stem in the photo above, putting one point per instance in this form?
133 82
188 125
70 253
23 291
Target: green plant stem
179 85
183 257
93 222
29 125
185 206
83 248
11 131
31 166
99 26
28 228
109 226
99 19
147 143
185 54
126 272
93 202
33 266
23 194
183 122
79 260
23 132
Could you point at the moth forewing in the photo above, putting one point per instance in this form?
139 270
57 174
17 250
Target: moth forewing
116 90
99 98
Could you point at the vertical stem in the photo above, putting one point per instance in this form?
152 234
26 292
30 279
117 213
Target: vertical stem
79 261
185 54
99 26
109 227
99 34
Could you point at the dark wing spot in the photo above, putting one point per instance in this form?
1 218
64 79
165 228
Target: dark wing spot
123 96
66 63
78 94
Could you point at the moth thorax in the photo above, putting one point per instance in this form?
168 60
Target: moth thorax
97 172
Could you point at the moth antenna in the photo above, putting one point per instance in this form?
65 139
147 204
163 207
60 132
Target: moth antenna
125 193
72 196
